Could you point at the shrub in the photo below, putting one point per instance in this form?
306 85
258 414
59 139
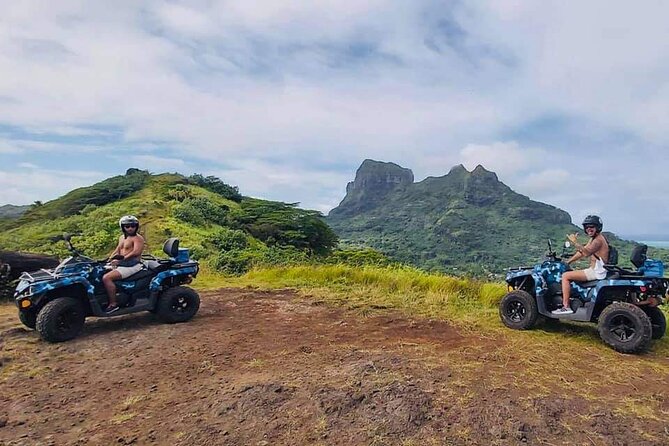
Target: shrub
200 211
226 239
278 223
284 255
234 262
217 186
359 257
179 192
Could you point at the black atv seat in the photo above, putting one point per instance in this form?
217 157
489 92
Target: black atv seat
158 265
616 272
624 274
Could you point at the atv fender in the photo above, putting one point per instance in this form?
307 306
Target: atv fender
157 282
534 284
43 292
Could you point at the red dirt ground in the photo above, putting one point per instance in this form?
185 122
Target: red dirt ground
270 367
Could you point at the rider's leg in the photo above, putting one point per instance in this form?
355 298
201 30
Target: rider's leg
108 281
567 278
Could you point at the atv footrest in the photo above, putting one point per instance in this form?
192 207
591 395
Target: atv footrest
140 305
582 314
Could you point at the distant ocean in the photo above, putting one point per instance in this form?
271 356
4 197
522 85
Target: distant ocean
656 243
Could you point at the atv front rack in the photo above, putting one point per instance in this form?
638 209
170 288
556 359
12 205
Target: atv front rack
37 276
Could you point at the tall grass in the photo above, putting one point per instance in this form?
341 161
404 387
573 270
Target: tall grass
369 287
470 304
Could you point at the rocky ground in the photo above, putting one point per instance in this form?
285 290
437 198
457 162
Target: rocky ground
266 368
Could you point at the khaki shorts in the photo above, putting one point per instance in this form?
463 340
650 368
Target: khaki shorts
591 274
127 271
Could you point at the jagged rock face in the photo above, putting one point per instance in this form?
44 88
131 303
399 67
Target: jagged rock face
378 177
482 188
462 218
373 181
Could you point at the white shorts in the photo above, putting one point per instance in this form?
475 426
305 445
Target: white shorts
127 271
591 274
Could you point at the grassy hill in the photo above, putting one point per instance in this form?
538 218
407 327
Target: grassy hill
462 222
221 227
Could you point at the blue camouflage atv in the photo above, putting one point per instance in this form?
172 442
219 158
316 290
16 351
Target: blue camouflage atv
624 304
56 302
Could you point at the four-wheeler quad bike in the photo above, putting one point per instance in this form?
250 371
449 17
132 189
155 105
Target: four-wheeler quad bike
624 304
56 302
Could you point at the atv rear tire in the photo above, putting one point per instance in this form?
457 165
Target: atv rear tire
61 319
28 318
657 320
518 310
625 327
178 304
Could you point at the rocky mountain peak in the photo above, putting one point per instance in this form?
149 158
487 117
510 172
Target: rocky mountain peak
373 180
379 175
482 172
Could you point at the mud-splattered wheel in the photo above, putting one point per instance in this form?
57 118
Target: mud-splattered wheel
178 304
61 319
625 327
657 321
518 310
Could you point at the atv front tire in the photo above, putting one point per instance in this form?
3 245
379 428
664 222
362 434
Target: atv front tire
178 304
518 310
625 327
61 319
28 318
657 320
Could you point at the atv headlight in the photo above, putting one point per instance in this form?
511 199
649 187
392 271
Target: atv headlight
25 303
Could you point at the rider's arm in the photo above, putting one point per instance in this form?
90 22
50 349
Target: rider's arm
116 251
592 247
575 257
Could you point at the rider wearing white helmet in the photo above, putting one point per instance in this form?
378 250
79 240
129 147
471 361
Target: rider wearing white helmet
128 254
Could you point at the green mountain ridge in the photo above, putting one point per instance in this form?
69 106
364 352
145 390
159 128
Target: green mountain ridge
10 211
221 227
460 222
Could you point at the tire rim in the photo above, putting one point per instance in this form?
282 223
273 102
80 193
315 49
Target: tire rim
516 311
622 328
180 304
67 321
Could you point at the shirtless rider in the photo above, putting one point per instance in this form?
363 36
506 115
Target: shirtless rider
130 246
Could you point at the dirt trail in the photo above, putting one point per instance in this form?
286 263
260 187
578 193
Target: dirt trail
266 368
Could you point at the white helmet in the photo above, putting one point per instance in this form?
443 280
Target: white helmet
128 220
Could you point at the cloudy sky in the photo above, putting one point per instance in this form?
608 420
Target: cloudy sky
567 101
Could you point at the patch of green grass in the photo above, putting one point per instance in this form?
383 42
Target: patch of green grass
398 287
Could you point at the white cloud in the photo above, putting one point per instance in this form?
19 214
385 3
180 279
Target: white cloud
27 186
320 85
546 182
7 147
504 158
319 189
24 146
